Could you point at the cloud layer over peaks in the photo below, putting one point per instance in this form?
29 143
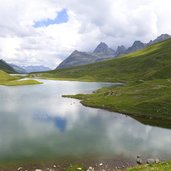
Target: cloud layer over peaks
45 32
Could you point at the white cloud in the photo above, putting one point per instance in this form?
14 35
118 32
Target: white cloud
90 22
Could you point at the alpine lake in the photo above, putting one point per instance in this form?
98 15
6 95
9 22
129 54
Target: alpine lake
38 124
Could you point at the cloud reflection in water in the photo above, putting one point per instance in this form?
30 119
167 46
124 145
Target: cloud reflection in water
36 121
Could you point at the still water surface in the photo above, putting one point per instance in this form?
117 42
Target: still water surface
36 122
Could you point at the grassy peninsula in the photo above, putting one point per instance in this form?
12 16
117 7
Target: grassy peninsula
8 80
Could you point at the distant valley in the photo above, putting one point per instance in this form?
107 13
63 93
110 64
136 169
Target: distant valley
36 68
13 69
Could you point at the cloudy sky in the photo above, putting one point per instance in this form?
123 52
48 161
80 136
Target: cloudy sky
45 32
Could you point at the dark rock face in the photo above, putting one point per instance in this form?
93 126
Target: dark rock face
102 52
160 38
120 50
78 58
137 45
4 66
102 47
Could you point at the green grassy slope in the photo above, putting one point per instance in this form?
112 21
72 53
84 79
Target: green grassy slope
5 77
149 63
8 80
7 68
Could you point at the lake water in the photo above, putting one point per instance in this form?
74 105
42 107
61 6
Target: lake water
37 123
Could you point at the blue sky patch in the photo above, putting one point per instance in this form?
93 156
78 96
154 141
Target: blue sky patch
62 17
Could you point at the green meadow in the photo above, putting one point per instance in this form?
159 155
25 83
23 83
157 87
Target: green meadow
8 80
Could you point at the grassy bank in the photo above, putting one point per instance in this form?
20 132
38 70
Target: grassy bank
149 99
156 167
8 80
166 166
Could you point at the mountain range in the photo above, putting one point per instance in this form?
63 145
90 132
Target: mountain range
103 52
18 69
14 69
35 68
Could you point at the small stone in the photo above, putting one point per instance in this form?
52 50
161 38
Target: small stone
90 169
20 168
38 170
157 161
139 160
101 164
150 161
79 168
54 166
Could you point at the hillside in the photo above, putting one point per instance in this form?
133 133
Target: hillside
5 77
6 67
153 62
78 58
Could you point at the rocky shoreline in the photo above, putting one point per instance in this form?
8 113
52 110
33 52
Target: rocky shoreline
97 165
80 165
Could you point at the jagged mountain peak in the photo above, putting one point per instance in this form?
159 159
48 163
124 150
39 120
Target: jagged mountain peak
164 36
137 45
137 42
102 48
75 52
120 50
160 38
